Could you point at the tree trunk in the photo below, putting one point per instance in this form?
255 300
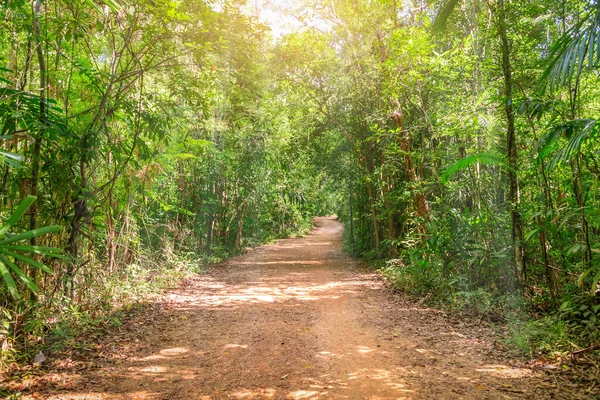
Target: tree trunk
240 225
351 217
211 221
511 148
385 189
374 217
580 198
419 199
76 225
42 124
111 245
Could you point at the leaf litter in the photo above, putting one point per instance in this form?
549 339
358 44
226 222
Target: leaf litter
294 320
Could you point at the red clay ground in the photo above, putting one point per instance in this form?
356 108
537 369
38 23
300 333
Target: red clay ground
299 320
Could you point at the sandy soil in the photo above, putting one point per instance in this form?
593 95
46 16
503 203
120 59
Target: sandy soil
299 320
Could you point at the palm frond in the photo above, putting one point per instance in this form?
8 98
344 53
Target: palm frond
10 251
442 14
576 49
576 132
20 274
482 158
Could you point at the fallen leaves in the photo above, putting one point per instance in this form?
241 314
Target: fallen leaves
241 346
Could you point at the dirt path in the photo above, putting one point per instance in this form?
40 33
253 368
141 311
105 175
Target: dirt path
298 319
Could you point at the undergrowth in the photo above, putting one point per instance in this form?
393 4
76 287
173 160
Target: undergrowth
56 321
530 325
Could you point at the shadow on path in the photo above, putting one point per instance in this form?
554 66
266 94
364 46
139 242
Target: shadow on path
298 319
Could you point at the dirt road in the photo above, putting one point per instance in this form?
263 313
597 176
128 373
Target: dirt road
298 319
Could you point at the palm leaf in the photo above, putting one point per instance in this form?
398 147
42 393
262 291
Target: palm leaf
9 249
535 107
31 234
9 281
28 260
41 250
595 279
18 272
577 48
595 283
577 132
483 158
17 214
113 5
14 156
442 14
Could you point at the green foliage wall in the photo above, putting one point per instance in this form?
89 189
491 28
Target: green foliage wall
465 154
456 140
149 131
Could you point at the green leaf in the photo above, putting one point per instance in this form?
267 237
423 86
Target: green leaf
530 235
442 14
46 251
93 5
568 54
483 158
584 274
30 261
576 248
15 268
9 281
577 132
112 4
595 283
31 234
17 214
185 156
198 143
13 156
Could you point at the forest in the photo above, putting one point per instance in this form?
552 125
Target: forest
457 141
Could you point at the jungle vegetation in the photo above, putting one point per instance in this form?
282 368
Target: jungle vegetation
457 141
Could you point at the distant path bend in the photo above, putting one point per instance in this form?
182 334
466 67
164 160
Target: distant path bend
299 319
